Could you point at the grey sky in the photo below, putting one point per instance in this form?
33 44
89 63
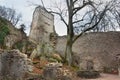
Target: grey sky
26 9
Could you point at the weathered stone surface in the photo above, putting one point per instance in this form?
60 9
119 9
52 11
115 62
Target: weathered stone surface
54 71
57 57
37 52
102 47
14 65
44 49
25 46
42 25
12 35
51 72
41 33
11 39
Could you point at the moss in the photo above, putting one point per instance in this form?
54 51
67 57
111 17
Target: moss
76 68
52 60
25 46
19 45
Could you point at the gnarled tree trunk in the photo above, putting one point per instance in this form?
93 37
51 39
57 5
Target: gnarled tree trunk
68 52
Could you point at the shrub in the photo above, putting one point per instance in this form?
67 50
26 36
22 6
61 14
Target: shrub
19 45
4 31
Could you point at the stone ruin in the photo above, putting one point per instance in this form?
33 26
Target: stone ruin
14 65
95 49
55 71
42 32
42 25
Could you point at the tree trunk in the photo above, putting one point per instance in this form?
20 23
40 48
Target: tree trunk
68 52
70 33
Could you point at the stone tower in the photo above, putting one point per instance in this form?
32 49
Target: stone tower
42 25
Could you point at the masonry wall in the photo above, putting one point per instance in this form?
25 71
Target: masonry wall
42 25
100 47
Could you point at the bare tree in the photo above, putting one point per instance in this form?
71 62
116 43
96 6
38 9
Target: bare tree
82 16
10 14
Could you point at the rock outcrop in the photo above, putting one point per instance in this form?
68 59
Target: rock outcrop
9 34
14 65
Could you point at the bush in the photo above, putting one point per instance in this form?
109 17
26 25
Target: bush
19 45
24 46
4 31
88 74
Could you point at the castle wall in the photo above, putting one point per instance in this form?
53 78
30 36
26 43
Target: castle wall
101 47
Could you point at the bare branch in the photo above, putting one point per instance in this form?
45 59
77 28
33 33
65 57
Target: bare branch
76 9
88 29
67 2
78 21
60 15
82 17
10 14
75 1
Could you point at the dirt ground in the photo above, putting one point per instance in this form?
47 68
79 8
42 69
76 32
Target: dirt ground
106 77
39 64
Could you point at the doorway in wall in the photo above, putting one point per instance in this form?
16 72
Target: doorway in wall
90 65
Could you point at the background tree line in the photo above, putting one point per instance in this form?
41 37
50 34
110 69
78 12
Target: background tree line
13 16
10 14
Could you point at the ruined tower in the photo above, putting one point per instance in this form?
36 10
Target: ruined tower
42 25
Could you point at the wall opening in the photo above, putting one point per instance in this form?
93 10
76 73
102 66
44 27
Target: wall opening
90 65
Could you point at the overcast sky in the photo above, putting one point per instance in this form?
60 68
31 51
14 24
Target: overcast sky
26 8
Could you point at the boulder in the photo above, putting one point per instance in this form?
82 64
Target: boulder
14 65
51 73
57 57
54 71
